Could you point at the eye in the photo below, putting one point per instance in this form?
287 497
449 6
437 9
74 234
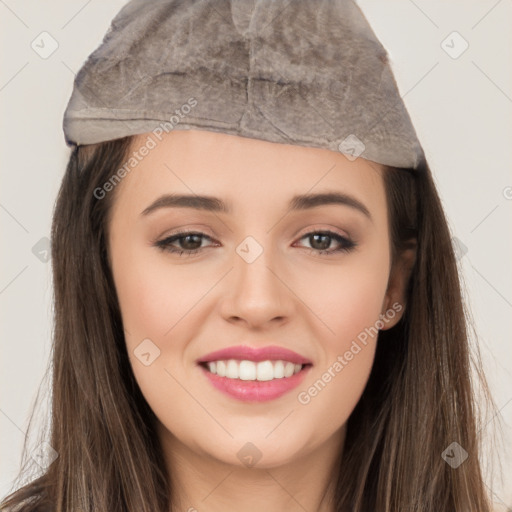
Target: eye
188 242
191 242
321 240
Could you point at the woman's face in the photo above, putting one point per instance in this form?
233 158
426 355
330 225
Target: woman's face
259 279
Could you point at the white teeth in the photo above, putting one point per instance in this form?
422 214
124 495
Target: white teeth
249 370
288 369
264 370
232 369
221 368
278 369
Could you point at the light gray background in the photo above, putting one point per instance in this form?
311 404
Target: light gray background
461 108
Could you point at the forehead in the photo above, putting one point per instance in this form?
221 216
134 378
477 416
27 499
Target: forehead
247 173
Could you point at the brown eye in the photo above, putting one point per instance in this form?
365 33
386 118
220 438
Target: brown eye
320 241
189 243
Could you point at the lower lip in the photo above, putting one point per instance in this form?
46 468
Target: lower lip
255 390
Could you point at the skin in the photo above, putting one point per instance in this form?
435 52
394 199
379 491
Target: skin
291 296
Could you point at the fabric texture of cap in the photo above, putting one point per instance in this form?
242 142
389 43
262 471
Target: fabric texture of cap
304 72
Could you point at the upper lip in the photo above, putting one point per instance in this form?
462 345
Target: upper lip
244 352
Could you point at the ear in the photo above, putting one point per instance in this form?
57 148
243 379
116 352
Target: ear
394 303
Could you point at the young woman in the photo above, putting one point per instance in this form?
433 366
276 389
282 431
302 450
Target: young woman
252 322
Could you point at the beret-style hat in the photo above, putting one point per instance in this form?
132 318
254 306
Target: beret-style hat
304 72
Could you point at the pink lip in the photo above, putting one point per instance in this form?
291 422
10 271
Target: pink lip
256 391
244 352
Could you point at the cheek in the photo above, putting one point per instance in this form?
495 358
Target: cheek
153 296
164 306
346 297
157 307
348 301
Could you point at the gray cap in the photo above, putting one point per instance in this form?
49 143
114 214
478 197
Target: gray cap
304 72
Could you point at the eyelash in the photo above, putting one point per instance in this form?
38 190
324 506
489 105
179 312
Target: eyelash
347 245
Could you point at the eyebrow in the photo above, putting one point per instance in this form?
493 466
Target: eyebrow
214 204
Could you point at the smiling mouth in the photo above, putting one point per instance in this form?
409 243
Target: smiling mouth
246 370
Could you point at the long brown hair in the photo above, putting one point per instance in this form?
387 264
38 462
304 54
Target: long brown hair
419 399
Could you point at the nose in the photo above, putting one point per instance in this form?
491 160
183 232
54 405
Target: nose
255 292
